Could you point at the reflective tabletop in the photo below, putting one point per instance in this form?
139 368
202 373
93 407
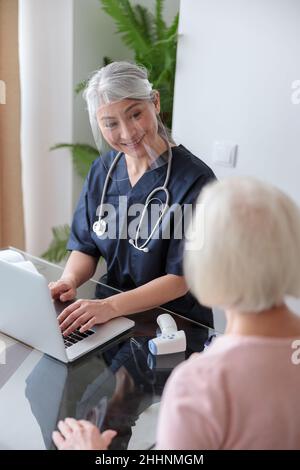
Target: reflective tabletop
116 386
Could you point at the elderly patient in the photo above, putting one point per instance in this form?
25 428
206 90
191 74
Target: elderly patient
243 255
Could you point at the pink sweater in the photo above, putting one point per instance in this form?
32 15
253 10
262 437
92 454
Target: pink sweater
243 392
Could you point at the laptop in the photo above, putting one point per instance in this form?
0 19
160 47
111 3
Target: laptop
28 314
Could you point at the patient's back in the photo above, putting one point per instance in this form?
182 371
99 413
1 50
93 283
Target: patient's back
242 393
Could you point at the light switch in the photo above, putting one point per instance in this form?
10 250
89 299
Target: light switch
224 153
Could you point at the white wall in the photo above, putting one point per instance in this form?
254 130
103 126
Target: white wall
236 62
46 54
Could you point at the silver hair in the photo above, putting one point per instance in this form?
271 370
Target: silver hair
114 82
248 258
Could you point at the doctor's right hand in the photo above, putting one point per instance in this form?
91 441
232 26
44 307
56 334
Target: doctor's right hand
63 289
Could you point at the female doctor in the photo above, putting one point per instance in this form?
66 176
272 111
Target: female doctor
145 173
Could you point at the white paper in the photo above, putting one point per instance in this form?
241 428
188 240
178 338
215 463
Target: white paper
13 257
28 265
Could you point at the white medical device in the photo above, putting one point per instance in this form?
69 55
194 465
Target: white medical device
171 340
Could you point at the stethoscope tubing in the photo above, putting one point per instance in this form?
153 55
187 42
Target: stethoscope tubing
163 188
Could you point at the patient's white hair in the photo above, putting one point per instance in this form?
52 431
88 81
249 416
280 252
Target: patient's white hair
248 257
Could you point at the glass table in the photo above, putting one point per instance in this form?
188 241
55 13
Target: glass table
117 386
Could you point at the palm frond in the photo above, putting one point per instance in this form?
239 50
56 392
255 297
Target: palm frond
80 86
146 21
128 25
172 30
107 60
160 25
153 42
83 156
57 250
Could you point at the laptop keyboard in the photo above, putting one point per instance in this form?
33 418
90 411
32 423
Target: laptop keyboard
75 337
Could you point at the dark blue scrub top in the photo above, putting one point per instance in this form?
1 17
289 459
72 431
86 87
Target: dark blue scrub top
127 267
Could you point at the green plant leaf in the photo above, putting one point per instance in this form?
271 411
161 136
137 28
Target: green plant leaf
127 23
57 250
107 60
146 21
172 30
160 25
153 42
83 156
80 86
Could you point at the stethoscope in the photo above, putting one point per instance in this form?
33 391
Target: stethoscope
99 227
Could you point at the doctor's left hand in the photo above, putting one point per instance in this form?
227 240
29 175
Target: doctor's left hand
84 314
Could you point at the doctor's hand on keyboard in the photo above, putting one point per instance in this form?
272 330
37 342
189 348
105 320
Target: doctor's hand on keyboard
84 314
63 289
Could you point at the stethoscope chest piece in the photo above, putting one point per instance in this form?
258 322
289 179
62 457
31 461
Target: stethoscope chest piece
99 227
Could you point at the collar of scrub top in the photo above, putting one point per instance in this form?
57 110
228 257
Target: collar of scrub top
99 227
121 182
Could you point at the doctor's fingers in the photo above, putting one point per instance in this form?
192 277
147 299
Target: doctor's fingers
70 309
58 287
87 326
68 295
86 316
68 322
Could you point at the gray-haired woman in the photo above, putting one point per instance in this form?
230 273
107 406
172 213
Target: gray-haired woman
128 209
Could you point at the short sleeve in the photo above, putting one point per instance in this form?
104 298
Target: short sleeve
80 236
174 261
192 411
